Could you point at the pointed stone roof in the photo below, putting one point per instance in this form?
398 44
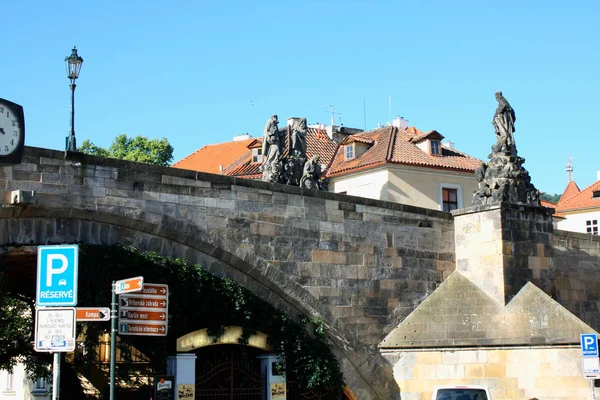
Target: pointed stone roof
460 314
571 190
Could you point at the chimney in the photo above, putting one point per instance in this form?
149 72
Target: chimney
449 144
379 124
242 137
400 123
292 120
597 175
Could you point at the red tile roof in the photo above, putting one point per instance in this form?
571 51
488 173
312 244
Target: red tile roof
210 157
549 204
393 145
317 142
583 200
571 190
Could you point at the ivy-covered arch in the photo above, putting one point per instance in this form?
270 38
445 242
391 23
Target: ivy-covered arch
31 226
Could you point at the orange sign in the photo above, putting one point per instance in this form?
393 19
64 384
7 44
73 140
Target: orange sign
93 314
155 289
129 285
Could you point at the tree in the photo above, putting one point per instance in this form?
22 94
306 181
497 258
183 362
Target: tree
553 198
140 148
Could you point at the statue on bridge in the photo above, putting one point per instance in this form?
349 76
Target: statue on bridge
271 150
503 177
292 168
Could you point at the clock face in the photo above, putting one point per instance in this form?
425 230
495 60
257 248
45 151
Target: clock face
11 131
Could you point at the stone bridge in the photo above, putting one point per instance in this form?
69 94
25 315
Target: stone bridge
361 264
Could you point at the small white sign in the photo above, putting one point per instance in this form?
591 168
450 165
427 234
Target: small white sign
591 367
55 329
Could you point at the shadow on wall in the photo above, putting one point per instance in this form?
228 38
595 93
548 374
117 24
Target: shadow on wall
574 281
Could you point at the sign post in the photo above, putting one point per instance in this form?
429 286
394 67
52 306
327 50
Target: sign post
129 285
56 285
591 362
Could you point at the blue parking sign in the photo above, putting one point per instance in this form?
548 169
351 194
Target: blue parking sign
589 344
57 275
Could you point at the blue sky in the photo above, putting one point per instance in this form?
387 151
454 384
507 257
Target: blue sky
190 70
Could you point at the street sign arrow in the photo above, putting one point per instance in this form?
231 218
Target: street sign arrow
129 285
141 314
142 329
142 300
157 289
93 314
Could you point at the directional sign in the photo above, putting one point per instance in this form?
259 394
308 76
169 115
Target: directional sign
145 313
589 345
55 329
93 314
57 275
129 285
142 300
134 314
156 289
142 329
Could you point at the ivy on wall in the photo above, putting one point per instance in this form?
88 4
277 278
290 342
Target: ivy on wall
199 300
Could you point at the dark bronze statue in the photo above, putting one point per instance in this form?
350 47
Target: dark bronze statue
503 177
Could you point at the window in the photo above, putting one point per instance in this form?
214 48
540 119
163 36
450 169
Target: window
10 382
435 147
449 199
257 155
349 151
39 387
591 226
596 194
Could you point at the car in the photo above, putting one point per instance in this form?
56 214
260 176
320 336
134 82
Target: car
461 392
62 282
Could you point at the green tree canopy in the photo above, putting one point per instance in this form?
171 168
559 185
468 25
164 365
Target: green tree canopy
140 148
553 198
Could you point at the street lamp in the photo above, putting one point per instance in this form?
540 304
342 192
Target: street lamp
73 63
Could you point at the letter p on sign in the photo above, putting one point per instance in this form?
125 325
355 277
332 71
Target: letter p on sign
589 345
50 270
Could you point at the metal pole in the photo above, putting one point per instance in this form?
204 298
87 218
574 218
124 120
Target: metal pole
72 142
56 377
592 387
113 340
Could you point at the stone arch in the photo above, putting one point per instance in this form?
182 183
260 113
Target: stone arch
231 335
30 225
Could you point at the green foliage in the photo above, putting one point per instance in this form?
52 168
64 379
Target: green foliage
16 333
201 300
553 198
140 148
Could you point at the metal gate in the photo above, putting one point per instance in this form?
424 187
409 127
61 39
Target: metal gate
226 372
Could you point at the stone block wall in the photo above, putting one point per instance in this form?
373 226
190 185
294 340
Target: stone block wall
518 373
501 247
367 263
576 280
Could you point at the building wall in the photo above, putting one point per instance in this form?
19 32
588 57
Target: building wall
22 387
519 373
576 221
422 187
370 184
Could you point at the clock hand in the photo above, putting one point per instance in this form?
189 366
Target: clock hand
2 131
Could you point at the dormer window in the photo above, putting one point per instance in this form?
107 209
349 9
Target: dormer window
596 194
435 147
257 155
349 151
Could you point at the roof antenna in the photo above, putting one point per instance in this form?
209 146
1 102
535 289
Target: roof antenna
333 114
390 109
569 168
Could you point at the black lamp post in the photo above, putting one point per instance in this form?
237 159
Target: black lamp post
73 63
